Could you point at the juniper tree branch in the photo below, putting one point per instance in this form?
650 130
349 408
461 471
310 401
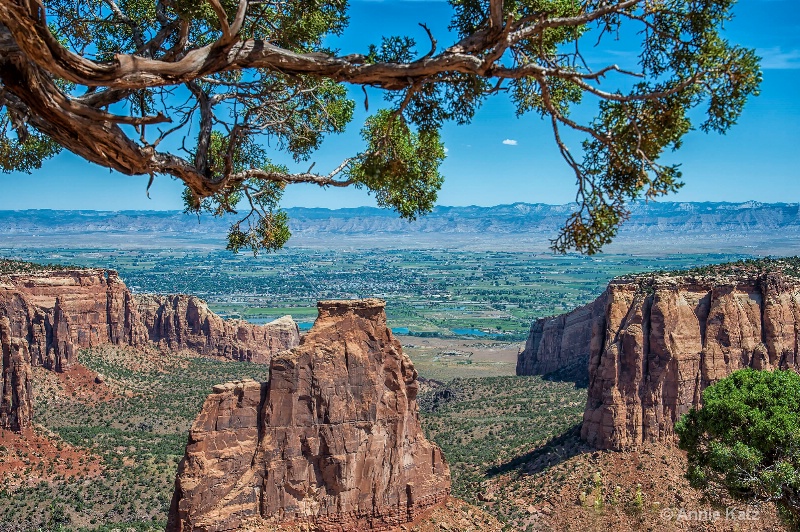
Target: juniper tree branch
25 20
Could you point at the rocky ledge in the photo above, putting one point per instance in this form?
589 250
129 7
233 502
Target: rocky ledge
332 442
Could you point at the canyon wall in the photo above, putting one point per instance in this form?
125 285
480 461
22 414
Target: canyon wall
332 442
185 322
561 344
667 341
16 409
657 342
48 315
58 312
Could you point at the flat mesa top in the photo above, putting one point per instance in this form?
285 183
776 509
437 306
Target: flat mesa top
351 304
748 270
369 309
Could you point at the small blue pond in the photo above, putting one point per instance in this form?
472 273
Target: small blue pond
470 332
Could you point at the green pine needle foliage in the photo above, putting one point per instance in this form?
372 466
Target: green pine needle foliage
746 438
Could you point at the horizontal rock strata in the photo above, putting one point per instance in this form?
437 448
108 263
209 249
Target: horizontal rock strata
185 322
16 410
653 344
332 442
50 315
561 344
59 312
665 340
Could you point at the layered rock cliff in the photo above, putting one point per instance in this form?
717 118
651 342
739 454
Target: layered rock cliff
16 400
332 442
49 314
185 322
60 311
658 341
668 339
561 344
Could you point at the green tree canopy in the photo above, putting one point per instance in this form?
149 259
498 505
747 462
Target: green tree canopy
112 80
746 438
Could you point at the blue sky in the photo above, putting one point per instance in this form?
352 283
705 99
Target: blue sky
500 158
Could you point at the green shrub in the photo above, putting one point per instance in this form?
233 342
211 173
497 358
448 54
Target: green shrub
746 438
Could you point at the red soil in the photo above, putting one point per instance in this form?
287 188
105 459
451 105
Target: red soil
28 458
79 383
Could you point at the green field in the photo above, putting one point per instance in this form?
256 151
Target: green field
428 292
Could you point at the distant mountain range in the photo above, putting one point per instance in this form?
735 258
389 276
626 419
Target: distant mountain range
668 221
515 218
539 218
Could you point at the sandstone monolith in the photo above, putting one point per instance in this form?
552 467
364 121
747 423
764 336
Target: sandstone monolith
333 441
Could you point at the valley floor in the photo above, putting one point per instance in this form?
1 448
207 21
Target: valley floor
104 453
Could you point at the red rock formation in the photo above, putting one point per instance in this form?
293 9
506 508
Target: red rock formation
60 311
655 343
665 341
185 322
17 395
332 442
562 343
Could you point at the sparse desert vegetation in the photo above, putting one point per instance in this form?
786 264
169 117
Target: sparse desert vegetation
493 425
111 431
133 425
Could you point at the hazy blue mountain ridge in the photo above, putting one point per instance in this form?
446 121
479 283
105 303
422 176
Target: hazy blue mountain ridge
501 219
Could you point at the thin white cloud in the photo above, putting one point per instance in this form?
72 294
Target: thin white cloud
510 142
447 150
776 59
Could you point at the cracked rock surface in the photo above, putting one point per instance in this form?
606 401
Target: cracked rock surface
654 343
331 442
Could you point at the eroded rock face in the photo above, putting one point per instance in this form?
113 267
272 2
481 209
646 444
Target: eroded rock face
333 441
48 316
664 343
653 345
185 322
563 343
16 409
59 312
